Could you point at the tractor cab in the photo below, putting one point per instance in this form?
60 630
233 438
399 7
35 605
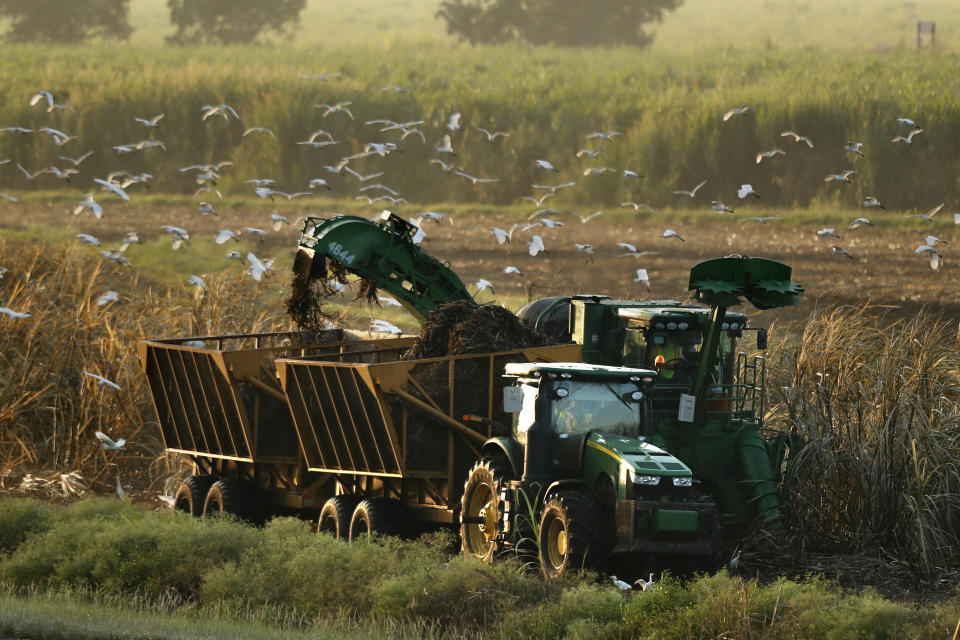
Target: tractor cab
580 398
560 408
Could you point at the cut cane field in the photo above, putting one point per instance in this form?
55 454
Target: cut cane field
863 374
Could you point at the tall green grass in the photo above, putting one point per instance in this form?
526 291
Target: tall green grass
669 108
110 553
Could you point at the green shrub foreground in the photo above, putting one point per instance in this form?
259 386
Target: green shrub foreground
129 555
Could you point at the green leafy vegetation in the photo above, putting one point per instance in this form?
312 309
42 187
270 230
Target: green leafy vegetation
669 109
710 27
109 554
21 518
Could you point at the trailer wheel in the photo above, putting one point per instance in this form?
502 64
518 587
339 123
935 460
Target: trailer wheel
568 540
378 516
481 511
227 496
191 494
336 515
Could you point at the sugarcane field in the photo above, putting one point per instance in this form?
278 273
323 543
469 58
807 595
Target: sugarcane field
457 319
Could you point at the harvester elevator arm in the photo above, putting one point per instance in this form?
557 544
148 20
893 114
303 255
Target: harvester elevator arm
383 252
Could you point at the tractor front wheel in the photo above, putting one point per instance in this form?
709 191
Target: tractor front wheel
481 511
568 540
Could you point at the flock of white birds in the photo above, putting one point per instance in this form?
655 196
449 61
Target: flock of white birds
205 175
120 184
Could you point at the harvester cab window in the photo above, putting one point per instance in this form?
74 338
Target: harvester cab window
674 355
608 407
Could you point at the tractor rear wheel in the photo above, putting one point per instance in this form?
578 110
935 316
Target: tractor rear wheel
481 509
191 495
335 516
227 496
568 540
378 516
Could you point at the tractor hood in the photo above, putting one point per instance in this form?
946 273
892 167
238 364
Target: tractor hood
642 458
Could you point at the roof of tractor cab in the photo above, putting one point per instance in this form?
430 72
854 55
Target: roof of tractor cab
575 368
646 315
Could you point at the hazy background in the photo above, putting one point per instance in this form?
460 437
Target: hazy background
698 24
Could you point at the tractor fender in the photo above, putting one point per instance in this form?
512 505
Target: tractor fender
508 448
564 485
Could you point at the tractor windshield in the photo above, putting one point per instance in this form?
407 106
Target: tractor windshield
598 406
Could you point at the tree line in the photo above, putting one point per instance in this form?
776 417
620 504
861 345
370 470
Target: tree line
556 22
196 21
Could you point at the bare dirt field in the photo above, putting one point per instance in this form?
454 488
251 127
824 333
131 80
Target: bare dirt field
884 269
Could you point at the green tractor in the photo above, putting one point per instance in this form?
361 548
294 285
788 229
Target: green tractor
578 477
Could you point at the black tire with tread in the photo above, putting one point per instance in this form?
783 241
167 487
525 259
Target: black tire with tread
483 484
573 518
378 516
336 514
228 496
191 494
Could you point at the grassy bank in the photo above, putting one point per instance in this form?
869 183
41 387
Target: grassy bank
108 555
668 107
80 615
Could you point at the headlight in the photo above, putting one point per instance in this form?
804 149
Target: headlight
683 481
650 481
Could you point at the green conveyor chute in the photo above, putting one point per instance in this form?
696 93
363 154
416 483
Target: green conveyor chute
383 252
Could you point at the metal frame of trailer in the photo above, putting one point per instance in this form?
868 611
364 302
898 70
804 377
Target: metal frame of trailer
221 405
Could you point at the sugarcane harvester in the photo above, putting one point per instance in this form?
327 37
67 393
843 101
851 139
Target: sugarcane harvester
640 432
